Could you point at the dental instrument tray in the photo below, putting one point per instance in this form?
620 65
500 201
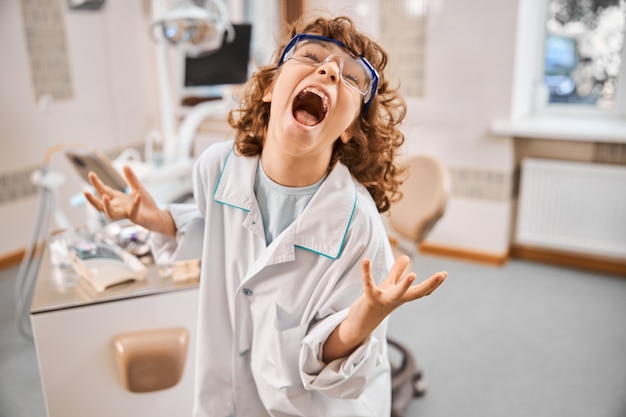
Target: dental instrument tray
104 264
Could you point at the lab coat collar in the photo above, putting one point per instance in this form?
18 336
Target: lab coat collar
324 223
322 226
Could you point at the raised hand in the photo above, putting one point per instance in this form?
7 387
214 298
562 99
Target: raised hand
375 304
138 205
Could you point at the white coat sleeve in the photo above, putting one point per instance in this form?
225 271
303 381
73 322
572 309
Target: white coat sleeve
347 377
344 377
189 236
189 220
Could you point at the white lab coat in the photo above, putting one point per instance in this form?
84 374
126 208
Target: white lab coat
265 311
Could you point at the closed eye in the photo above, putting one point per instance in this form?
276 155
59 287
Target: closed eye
309 56
352 79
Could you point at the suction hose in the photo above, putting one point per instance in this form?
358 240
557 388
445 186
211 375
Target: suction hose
29 267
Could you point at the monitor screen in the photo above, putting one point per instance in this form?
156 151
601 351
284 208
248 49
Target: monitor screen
227 65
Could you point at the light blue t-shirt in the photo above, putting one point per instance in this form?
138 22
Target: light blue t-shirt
280 205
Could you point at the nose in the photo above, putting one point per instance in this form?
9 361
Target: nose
331 67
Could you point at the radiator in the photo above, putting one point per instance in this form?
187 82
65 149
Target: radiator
572 206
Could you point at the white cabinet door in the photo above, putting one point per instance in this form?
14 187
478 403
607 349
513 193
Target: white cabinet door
77 359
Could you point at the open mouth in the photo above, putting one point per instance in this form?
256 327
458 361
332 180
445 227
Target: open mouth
310 106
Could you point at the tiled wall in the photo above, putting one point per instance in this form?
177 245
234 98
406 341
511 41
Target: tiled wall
403 33
16 185
44 29
481 184
610 153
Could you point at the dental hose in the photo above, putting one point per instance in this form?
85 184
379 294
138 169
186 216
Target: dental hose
27 274
29 267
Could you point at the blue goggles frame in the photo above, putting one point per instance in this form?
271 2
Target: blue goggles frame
373 73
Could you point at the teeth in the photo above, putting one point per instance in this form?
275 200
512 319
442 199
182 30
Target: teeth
318 93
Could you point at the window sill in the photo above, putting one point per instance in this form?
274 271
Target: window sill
611 130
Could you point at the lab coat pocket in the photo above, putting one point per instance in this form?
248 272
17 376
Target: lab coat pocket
283 351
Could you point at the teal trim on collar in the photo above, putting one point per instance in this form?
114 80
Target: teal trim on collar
343 239
220 194
345 233
233 206
219 180
322 227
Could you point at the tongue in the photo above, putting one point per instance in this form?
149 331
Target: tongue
306 118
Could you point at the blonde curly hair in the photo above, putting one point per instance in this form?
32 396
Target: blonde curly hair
371 151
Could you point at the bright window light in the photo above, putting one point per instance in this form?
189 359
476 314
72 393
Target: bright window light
583 53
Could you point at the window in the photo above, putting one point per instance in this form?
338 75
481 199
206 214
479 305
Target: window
557 91
583 51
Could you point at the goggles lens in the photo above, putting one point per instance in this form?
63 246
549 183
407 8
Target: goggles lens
316 50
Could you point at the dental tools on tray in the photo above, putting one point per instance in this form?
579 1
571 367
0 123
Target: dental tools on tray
103 263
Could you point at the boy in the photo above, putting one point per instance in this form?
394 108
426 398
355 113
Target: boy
291 320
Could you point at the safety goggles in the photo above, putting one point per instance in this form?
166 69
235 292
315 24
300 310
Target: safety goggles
316 50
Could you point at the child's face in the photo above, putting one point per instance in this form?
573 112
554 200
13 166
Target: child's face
311 106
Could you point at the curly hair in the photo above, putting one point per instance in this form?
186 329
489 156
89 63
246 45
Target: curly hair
376 138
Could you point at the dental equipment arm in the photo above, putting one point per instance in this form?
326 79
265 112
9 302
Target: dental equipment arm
174 23
192 122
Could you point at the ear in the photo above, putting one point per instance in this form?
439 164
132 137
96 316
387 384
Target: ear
346 135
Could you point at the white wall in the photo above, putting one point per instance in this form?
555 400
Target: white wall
468 85
111 61
469 67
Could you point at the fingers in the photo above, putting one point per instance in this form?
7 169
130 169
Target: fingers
93 200
439 278
99 186
426 287
134 210
369 285
398 268
393 287
132 179
107 208
400 289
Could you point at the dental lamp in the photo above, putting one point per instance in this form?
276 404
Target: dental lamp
194 30
197 29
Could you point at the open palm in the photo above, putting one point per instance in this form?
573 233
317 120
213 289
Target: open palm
138 205
378 301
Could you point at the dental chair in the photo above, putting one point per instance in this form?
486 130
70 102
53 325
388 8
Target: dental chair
424 199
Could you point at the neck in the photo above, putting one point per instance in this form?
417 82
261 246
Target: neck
293 172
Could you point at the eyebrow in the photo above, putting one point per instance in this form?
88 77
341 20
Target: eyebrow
320 42
328 45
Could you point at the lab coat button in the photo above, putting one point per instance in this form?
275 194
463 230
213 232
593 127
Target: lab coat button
247 292
244 352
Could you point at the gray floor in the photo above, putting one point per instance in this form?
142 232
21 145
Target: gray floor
520 340
20 390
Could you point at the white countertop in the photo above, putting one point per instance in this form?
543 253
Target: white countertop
50 295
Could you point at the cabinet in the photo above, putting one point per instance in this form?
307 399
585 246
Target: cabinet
74 330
